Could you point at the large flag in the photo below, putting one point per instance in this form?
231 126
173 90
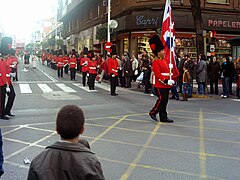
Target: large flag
168 31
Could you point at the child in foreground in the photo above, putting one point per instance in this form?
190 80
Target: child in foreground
68 158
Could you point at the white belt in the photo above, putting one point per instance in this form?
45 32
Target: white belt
0 74
92 68
7 75
166 74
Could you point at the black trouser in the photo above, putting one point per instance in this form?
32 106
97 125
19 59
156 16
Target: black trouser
2 100
66 69
91 81
113 84
128 81
14 70
84 75
72 73
214 81
10 101
121 79
60 71
161 104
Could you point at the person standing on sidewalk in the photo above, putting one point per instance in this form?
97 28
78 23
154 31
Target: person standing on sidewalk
237 67
201 71
214 70
225 71
233 74
161 79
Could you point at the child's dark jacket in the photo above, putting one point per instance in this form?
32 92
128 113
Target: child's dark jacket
65 161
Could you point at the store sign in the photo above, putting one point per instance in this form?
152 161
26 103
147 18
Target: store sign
141 20
224 24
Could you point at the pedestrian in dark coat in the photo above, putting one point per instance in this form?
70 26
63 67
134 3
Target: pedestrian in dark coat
214 70
201 74
128 71
67 159
226 74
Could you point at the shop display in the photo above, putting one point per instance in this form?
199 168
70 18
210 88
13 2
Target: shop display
187 46
143 44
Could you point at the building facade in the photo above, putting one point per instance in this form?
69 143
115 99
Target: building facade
139 19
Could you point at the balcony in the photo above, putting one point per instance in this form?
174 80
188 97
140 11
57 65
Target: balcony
69 8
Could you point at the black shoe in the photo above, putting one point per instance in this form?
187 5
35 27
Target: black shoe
9 114
114 94
167 120
5 118
172 97
153 117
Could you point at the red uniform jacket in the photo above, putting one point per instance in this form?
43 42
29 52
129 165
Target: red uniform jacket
161 72
112 66
92 67
84 63
72 62
8 71
3 66
59 61
14 62
65 60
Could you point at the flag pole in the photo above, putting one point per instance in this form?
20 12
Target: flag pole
170 62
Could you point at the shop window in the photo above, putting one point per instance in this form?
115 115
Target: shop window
187 46
125 45
219 1
143 45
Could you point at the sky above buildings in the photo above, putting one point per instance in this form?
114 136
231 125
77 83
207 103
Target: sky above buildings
19 17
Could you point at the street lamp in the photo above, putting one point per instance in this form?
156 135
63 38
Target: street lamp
109 9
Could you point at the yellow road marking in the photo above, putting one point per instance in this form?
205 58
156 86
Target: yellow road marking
107 130
157 168
202 155
133 164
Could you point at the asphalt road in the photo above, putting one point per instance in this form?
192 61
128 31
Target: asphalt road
203 143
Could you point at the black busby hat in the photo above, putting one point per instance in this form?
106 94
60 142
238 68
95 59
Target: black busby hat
90 54
156 44
114 50
6 46
85 50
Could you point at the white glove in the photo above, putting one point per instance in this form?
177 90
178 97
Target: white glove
171 82
171 66
113 75
8 89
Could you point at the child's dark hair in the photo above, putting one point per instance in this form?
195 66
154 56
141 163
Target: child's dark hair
70 121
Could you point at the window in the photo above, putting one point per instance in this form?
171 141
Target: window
219 1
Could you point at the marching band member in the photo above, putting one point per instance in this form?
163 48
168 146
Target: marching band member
9 89
92 71
66 65
14 66
60 64
3 85
161 79
84 63
113 70
73 66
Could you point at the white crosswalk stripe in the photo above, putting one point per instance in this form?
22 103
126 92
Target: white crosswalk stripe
86 88
65 88
25 88
45 88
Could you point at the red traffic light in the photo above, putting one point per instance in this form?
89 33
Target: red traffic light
212 34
